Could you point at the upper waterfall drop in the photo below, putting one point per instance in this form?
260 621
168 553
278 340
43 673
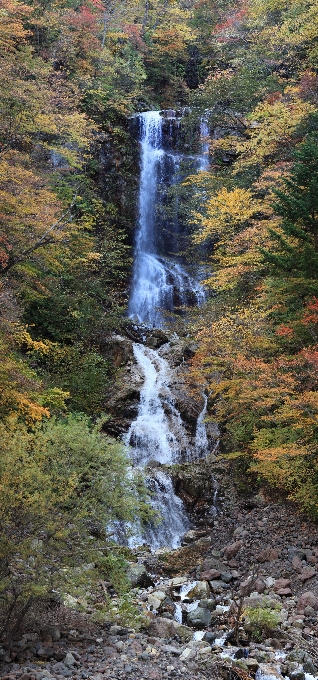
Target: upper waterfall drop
149 280
157 280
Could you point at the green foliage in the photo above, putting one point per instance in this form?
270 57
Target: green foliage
57 479
297 240
261 621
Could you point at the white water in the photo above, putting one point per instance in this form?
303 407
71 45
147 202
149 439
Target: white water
158 433
204 131
155 278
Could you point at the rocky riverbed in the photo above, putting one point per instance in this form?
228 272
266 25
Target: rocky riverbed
203 605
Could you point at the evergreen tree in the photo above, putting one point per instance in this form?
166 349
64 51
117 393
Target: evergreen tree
297 242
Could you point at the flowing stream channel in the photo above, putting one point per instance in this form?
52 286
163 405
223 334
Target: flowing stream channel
160 282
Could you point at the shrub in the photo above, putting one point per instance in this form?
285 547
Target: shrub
260 621
57 479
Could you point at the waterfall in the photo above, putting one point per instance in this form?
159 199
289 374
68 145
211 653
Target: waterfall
204 132
156 279
158 435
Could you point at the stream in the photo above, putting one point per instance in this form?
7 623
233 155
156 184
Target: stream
160 282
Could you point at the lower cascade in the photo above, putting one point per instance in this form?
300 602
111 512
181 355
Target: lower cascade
158 436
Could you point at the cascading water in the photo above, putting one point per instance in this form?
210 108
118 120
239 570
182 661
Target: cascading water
158 434
204 132
155 277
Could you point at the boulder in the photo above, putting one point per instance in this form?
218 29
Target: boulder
240 531
251 664
259 586
296 552
281 583
284 592
156 339
51 631
187 654
183 632
226 577
232 549
218 586
45 652
161 627
213 563
307 599
210 575
139 576
268 555
268 671
297 564
199 617
306 574
155 602
201 591
208 604
69 660
297 674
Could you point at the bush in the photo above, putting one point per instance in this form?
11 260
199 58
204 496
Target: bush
57 479
260 621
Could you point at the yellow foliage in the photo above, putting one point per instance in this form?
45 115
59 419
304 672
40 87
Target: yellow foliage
271 129
226 212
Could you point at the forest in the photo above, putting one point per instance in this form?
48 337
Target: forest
73 73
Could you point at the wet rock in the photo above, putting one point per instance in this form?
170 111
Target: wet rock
190 536
297 674
178 581
208 604
300 656
199 617
200 591
139 576
268 671
231 550
120 350
156 339
209 637
251 664
155 599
